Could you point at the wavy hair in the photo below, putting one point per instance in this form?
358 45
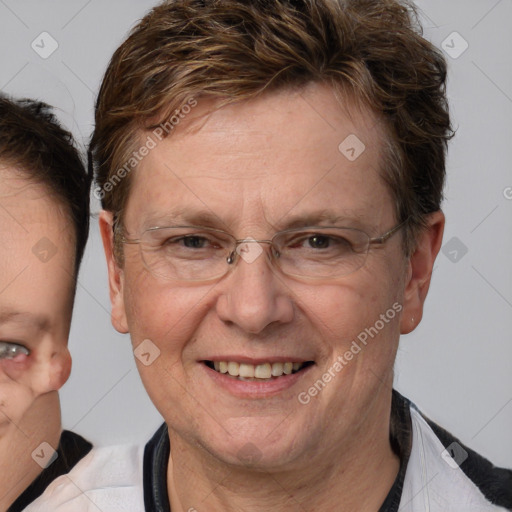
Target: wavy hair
237 49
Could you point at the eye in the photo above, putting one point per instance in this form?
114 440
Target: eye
195 242
11 350
320 241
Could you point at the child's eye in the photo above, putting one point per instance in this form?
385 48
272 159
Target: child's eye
11 350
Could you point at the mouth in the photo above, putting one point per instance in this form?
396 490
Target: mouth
263 372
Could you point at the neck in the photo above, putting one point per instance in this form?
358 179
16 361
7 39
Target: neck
358 474
41 423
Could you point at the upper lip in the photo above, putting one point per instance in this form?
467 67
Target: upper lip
258 360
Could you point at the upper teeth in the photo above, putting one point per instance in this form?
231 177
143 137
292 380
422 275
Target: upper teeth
259 371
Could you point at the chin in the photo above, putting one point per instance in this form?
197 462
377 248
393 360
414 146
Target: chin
256 444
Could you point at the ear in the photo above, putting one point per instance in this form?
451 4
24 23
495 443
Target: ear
419 272
115 273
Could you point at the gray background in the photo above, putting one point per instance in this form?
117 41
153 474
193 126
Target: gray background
457 365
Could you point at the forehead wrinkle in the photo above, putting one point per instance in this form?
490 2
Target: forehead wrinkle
257 220
227 145
228 220
228 152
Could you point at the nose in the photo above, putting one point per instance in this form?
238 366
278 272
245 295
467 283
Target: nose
253 296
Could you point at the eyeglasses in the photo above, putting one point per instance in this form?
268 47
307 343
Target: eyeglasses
195 253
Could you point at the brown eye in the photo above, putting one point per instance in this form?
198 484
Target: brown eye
319 241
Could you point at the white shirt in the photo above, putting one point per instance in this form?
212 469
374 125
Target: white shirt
106 480
111 479
434 481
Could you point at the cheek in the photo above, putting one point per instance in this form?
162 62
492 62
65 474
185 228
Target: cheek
162 312
344 310
359 329
163 321
359 310
15 396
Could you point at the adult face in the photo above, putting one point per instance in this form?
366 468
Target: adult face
36 290
253 169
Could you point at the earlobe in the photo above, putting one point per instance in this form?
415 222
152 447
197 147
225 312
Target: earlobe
115 275
419 272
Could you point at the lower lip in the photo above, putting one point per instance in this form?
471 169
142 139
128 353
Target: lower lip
253 388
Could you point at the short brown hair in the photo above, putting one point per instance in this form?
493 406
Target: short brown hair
33 141
236 49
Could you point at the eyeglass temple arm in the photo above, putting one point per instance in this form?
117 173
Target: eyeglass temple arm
386 236
125 240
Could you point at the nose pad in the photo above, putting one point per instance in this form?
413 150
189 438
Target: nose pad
249 249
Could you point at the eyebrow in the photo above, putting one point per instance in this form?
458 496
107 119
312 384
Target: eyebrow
185 216
328 217
349 218
40 322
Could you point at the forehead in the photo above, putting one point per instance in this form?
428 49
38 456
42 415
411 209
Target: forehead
284 155
36 248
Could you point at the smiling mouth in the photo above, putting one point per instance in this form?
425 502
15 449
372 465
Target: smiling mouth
258 372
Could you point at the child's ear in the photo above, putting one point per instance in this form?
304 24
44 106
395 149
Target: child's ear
115 273
420 266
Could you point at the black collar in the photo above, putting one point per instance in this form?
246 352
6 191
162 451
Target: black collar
157 451
72 448
156 459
